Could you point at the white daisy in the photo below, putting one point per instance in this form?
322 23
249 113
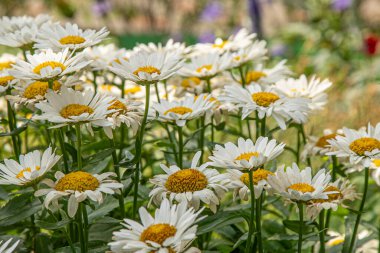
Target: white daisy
7 80
360 146
48 65
170 46
182 110
102 56
300 186
263 75
58 37
23 38
254 52
315 89
7 60
267 103
11 24
4 246
185 85
246 155
77 186
145 68
375 165
192 185
172 229
205 66
31 168
344 191
239 182
71 107
319 145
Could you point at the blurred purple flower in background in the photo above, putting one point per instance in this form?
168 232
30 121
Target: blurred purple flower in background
101 7
278 49
341 5
206 37
212 11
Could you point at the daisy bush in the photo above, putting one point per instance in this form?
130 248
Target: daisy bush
172 148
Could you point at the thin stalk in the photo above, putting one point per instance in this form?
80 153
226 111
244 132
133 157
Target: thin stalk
248 128
118 175
122 134
263 126
180 147
202 137
139 144
302 131
298 147
321 232
300 232
85 224
358 217
51 83
79 146
334 169
208 81
252 216
63 150
157 93
257 123
94 81
12 124
80 229
258 223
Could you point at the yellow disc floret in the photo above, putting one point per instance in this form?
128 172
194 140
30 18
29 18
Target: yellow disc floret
332 196
179 110
118 106
6 65
52 64
365 144
186 180
323 141
207 67
302 187
75 110
257 176
247 156
21 173
264 98
147 69
38 88
77 181
190 82
132 90
72 40
254 76
158 233
5 79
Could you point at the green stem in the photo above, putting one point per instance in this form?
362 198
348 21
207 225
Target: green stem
249 129
180 147
257 123
252 216
321 232
85 225
157 93
139 144
358 217
334 169
258 223
300 232
12 123
51 83
79 146
80 229
202 137
94 81
208 81
263 126
302 131
117 171
63 150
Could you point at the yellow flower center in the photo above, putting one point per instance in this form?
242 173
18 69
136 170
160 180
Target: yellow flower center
190 82
21 173
254 76
335 242
376 162
179 110
147 69
264 98
207 67
77 181
257 176
132 90
302 187
5 79
106 87
6 65
332 196
323 141
75 110
221 44
186 180
39 89
158 233
247 156
72 39
118 105
52 64
361 145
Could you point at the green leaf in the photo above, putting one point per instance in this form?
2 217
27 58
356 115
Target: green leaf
43 243
50 225
15 131
294 225
219 220
103 209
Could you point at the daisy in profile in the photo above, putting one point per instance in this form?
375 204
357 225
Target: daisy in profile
70 36
102 56
375 165
185 85
360 146
254 52
191 185
320 145
77 186
73 107
267 103
205 66
8 247
11 24
315 89
239 182
170 46
30 170
172 229
125 112
23 38
266 76
300 186
147 68
48 66
6 81
247 155
7 60
343 191
183 110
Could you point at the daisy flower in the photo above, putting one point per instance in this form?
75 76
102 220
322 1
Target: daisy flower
4 246
375 165
360 146
77 186
315 89
146 68
267 103
185 85
170 46
102 56
343 191
72 107
239 182
205 66
70 36
11 24
7 60
31 168
191 185
7 80
254 52
300 186
23 38
48 65
172 229
183 110
320 145
263 75
246 155
125 112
